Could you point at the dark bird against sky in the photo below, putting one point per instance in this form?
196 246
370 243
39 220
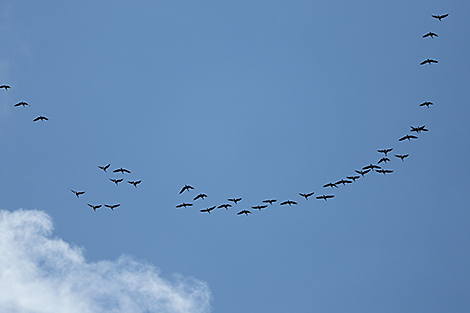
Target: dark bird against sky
41 118
22 103
427 103
289 202
306 195
186 187
246 212
116 181
325 197
419 129
409 137
112 206
208 210
134 182
184 205
122 170
77 193
430 34
200 196
440 17
235 200
94 207
429 61
385 151
6 87
402 156
105 168
270 201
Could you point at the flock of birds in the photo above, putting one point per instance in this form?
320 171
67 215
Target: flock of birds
268 202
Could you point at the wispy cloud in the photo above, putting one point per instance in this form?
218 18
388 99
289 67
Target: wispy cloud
40 273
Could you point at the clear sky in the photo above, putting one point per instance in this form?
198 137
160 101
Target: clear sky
250 99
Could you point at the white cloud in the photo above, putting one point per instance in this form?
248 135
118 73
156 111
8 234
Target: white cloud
39 274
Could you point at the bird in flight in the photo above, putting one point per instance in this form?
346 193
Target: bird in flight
385 151
353 177
116 181
22 103
330 184
184 204
208 210
362 172
371 167
112 206
134 182
225 206
430 34
419 129
234 200
384 159
122 170
270 201
6 87
427 103
306 195
289 202
42 118
200 196
186 187
440 17
325 197
77 193
428 61
382 171
94 207
259 207
344 182
104 168
246 212
409 137
402 156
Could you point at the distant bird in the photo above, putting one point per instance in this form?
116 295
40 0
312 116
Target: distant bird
134 182
208 210
225 206
116 181
235 200
112 206
344 182
200 196
77 193
22 103
122 170
384 159
330 184
270 201
440 17
289 202
184 205
430 34
402 156
362 172
419 129
385 151
42 118
427 103
428 61
259 207
6 87
246 212
382 171
325 197
186 187
306 195
371 167
353 178
94 207
104 168
409 137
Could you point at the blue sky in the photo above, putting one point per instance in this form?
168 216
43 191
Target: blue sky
250 99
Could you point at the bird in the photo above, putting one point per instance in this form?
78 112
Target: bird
428 61
6 87
289 202
122 170
201 195
362 172
225 206
134 182
430 34
270 201
427 103
94 207
116 181
184 204
186 187
330 184
385 151
325 197
306 195
371 167
419 129
384 159
246 212
259 207
353 177
77 193
382 171
22 103
402 156
42 118
440 17
208 210
344 182
235 200
104 168
409 137
112 206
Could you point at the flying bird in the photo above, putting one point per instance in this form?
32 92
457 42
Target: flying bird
116 181
353 177
122 170
22 103
409 137
235 200
112 206
42 118
246 212
419 129
362 172
440 17
289 202
325 197
200 196
225 206
382 171
428 61
330 184
427 103
104 168
77 193
344 182
259 207
371 167
208 210
186 187
6 87
402 156
430 34
385 151
306 195
384 159
134 182
270 201
184 204
94 207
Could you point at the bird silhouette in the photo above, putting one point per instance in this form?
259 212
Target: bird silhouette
409 137
402 156
371 167
325 197
429 61
42 118
353 178
200 196
208 210
94 207
385 151
104 168
430 34
384 159
112 206
440 17
184 204
270 201
235 200
306 195
259 207
116 181
344 182
134 182
246 212
330 184
122 170
419 129
289 202
362 172
382 171
225 206
186 187
6 87
22 103
427 103
77 193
